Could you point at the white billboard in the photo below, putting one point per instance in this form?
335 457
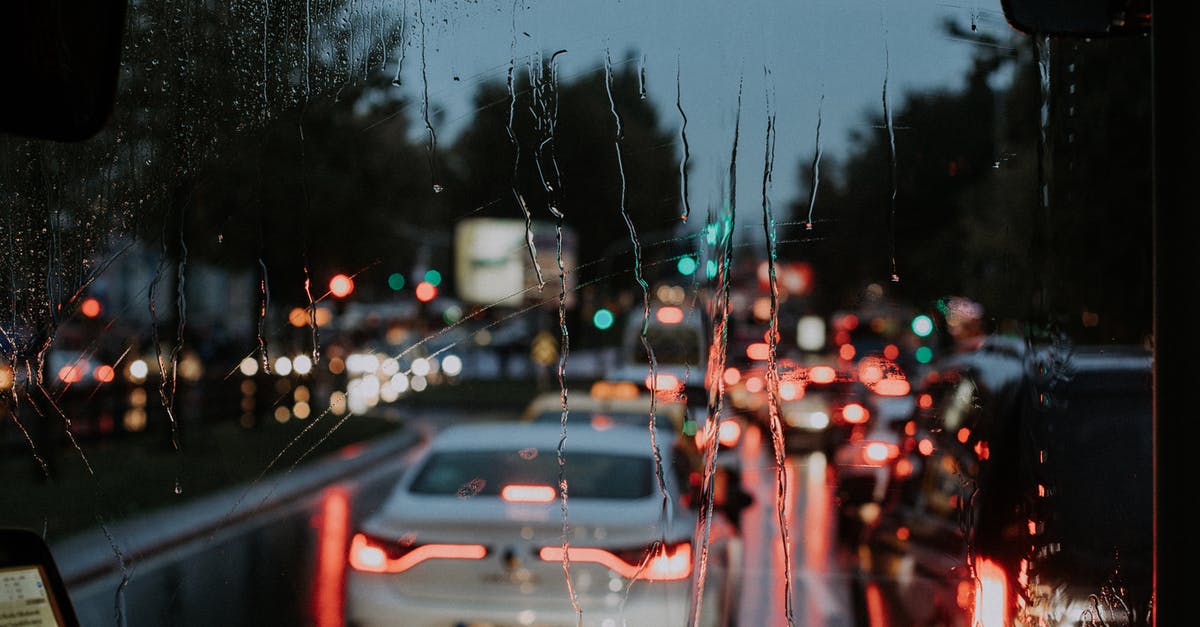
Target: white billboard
492 264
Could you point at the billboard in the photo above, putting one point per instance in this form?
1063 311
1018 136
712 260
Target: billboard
492 263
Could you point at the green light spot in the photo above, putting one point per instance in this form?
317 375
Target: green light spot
687 265
922 325
603 319
433 277
396 281
710 269
452 314
710 234
924 355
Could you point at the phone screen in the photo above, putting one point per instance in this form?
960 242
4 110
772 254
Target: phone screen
26 599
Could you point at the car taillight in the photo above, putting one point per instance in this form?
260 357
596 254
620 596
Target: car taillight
517 493
667 563
855 414
372 555
878 453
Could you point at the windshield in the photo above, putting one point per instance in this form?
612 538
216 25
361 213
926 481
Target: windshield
311 237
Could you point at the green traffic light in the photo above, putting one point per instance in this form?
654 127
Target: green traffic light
433 277
922 325
924 355
687 265
396 281
603 319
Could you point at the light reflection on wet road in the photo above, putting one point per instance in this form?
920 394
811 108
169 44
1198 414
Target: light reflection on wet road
821 577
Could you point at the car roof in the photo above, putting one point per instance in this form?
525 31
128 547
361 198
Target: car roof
581 438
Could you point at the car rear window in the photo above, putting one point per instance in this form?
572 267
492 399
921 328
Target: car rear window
485 473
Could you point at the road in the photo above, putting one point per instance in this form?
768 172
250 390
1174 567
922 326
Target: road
283 563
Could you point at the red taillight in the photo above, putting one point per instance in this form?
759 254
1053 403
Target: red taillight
822 374
667 564
891 386
855 414
669 315
372 555
662 382
517 493
758 351
877 453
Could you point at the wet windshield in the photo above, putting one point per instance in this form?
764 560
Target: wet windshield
867 256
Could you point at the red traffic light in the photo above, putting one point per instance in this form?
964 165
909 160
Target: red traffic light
341 285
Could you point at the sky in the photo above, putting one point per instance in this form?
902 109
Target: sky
796 59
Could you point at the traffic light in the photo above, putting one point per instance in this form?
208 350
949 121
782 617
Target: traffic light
603 319
341 285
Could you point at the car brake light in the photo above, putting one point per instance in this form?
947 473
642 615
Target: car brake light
991 594
517 493
822 374
669 315
372 555
855 414
876 453
667 564
664 381
758 351
891 386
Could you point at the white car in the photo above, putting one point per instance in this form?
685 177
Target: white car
473 534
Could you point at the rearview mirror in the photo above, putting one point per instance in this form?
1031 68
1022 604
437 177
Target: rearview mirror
1079 18
60 62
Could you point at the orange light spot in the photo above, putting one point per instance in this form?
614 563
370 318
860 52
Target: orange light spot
1041 490
758 351
903 533
964 434
849 322
729 433
754 385
910 428
846 352
104 373
517 493
904 469
425 291
891 387
72 373
298 317
1033 528
90 308
876 617
822 374
789 391
981 450
669 315
925 401
855 414
663 381
870 373
879 452
732 376
341 285
925 447
891 351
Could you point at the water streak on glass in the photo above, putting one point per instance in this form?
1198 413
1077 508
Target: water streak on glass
264 303
512 137
773 400
641 281
167 381
432 147
683 161
312 317
891 132
716 366
816 168
266 23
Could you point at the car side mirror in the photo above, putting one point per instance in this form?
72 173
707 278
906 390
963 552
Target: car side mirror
60 61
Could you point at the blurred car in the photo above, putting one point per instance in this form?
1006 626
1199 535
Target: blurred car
473 534
679 339
865 463
1001 521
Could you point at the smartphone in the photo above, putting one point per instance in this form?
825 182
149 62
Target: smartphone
32 593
